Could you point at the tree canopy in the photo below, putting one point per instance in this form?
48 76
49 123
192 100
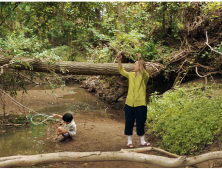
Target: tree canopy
97 31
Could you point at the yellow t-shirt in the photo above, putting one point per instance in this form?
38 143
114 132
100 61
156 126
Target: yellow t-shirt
137 87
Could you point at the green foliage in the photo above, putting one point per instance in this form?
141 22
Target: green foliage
92 31
185 120
219 47
100 55
128 43
206 54
88 47
12 81
18 45
20 120
83 26
60 53
212 7
150 50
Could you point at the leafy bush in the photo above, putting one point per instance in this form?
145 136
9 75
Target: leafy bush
185 120
150 50
19 45
129 43
90 44
101 55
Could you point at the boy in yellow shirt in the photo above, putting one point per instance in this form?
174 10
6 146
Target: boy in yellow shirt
136 107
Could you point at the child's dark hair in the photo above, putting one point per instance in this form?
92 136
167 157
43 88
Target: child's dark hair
67 117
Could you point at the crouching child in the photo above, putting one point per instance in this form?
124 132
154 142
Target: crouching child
69 129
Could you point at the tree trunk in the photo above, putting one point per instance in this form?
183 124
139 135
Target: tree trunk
123 155
164 15
98 18
71 67
121 8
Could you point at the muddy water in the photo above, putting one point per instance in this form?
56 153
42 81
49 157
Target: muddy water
85 102
38 139
25 141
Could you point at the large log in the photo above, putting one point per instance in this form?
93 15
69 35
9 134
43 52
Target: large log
71 67
123 155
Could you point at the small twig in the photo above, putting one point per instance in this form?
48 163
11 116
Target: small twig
200 75
174 58
29 79
210 46
181 66
106 109
177 79
5 102
140 150
182 78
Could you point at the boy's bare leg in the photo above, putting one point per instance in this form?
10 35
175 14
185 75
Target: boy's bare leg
65 135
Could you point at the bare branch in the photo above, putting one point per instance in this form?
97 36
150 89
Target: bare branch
200 75
210 46
215 72
140 150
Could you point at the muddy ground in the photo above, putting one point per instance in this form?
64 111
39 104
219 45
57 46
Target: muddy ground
95 132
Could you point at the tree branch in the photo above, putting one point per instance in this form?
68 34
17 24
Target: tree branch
16 5
123 155
210 46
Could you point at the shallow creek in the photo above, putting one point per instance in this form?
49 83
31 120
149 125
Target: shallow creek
38 139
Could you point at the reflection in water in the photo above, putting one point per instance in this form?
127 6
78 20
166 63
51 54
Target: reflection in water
25 141
38 139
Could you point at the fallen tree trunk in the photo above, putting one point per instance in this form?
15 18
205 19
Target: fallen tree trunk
123 155
71 67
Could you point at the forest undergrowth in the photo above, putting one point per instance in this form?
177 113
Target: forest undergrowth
187 119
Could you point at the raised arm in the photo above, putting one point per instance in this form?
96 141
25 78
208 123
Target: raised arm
56 115
120 67
119 58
